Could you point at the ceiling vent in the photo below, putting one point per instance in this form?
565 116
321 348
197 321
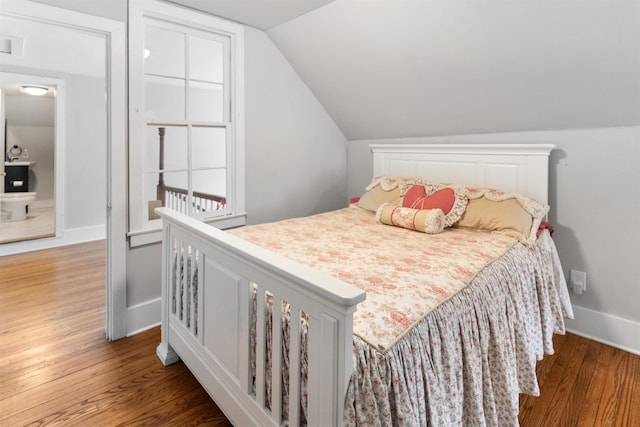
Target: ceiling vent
11 45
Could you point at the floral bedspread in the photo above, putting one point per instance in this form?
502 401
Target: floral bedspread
466 362
406 274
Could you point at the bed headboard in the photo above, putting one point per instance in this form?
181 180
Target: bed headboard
518 168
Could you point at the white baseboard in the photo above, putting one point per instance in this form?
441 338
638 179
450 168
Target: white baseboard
143 316
605 328
69 237
85 234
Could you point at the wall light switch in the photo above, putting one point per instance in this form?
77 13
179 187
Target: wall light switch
578 281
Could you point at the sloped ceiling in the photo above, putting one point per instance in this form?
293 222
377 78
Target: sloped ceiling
261 14
403 68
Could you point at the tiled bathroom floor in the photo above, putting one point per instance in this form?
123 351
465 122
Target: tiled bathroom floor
39 223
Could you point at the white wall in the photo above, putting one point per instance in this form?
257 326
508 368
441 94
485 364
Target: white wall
594 199
296 156
85 165
111 9
295 162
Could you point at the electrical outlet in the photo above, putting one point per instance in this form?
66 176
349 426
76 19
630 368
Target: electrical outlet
578 281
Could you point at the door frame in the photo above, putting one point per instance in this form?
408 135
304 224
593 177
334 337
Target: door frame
114 33
59 137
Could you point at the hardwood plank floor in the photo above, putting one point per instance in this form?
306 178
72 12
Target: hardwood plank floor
39 223
57 368
585 383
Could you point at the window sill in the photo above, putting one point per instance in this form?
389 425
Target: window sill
153 236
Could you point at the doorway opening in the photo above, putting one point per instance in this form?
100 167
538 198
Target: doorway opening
49 53
34 139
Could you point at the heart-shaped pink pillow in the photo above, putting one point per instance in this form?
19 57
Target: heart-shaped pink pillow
416 198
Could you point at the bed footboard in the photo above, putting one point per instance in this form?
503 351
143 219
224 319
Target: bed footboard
217 288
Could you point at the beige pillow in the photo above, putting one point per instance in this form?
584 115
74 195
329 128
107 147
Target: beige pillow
372 199
430 221
506 216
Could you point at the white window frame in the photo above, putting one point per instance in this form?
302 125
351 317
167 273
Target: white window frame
141 231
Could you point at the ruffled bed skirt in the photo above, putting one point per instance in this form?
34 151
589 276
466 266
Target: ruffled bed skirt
466 363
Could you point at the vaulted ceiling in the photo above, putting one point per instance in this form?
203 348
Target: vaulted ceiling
261 14
403 68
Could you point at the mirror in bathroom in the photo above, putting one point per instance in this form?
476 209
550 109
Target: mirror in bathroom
53 86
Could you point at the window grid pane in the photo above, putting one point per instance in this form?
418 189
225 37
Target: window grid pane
206 102
188 169
209 189
166 148
164 52
166 189
206 60
164 98
208 147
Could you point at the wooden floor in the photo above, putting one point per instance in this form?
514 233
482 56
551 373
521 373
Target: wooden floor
38 224
584 383
57 368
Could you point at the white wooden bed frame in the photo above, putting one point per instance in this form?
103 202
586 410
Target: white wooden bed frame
217 350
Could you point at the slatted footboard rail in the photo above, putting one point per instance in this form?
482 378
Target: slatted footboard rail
249 324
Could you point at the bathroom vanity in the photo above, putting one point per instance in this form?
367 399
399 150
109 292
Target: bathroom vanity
16 179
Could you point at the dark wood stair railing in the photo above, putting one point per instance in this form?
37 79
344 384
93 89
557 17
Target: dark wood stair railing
177 198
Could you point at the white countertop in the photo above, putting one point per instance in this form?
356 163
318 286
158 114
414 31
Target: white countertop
20 163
